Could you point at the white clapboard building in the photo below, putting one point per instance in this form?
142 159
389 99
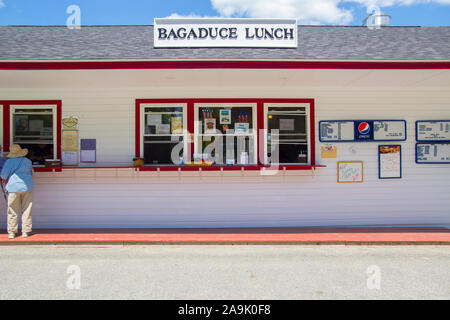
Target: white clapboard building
238 123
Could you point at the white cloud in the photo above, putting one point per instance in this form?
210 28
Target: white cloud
306 11
191 16
2 4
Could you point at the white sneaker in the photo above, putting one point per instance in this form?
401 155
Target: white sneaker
11 235
25 234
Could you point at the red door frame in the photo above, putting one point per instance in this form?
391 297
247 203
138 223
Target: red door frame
259 118
7 120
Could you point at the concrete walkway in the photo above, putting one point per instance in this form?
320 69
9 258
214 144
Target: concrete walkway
404 235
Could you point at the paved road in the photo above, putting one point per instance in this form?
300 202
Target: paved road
225 272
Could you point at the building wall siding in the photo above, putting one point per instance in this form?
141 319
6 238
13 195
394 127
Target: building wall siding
123 198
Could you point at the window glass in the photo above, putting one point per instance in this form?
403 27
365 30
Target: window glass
287 135
33 129
163 135
225 135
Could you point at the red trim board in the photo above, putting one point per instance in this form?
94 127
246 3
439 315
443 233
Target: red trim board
259 120
195 64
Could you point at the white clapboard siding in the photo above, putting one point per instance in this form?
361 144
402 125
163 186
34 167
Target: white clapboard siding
122 198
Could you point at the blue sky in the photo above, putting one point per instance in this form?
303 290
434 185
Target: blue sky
142 12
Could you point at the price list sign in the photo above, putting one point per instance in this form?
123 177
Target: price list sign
389 130
337 131
433 130
433 153
362 130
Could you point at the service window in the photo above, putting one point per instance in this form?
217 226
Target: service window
34 128
287 136
164 140
225 133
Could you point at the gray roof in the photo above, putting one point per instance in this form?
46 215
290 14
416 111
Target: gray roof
136 42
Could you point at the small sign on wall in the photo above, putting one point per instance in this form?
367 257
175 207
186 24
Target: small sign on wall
329 152
362 130
350 172
433 153
435 130
390 162
88 150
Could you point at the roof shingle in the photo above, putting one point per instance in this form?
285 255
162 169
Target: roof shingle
136 42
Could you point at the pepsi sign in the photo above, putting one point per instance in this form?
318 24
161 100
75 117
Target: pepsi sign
363 130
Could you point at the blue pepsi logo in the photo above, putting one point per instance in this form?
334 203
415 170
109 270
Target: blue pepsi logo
364 128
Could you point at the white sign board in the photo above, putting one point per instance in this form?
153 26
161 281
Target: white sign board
350 172
236 33
389 130
337 131
390 162
433 153
433 130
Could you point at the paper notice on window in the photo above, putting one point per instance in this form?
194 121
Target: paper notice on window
390 162
35 125
154 119
241 127
287 125
177 125
163 129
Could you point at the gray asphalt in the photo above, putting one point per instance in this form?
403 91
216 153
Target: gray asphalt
225 272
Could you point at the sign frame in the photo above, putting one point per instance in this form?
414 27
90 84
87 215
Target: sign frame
225 33
432 121
352 162
431 143
379 162
363 140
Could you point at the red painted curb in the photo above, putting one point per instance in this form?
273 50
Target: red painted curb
269 235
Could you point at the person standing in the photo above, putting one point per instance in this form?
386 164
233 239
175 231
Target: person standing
2 162
18 171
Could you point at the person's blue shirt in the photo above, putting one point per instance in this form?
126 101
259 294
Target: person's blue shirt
2 163
19 171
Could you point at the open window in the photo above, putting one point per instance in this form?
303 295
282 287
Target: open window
163 131
225 133
288 134
35 127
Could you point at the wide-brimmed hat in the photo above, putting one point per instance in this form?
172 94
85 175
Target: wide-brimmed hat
15 151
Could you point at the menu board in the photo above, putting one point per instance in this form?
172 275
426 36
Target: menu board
362 130
350 171
433 130
337 131
433 153
389 130
389 162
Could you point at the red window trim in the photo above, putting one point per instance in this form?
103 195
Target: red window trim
259 120
217 64
7 114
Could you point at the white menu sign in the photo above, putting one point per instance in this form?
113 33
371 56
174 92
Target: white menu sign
433 130
389 130
433 153
390 165
337 131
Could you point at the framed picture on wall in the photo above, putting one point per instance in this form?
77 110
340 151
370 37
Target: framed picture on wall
350 172
389 162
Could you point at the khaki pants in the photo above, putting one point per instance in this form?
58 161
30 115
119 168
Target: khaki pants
20 202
